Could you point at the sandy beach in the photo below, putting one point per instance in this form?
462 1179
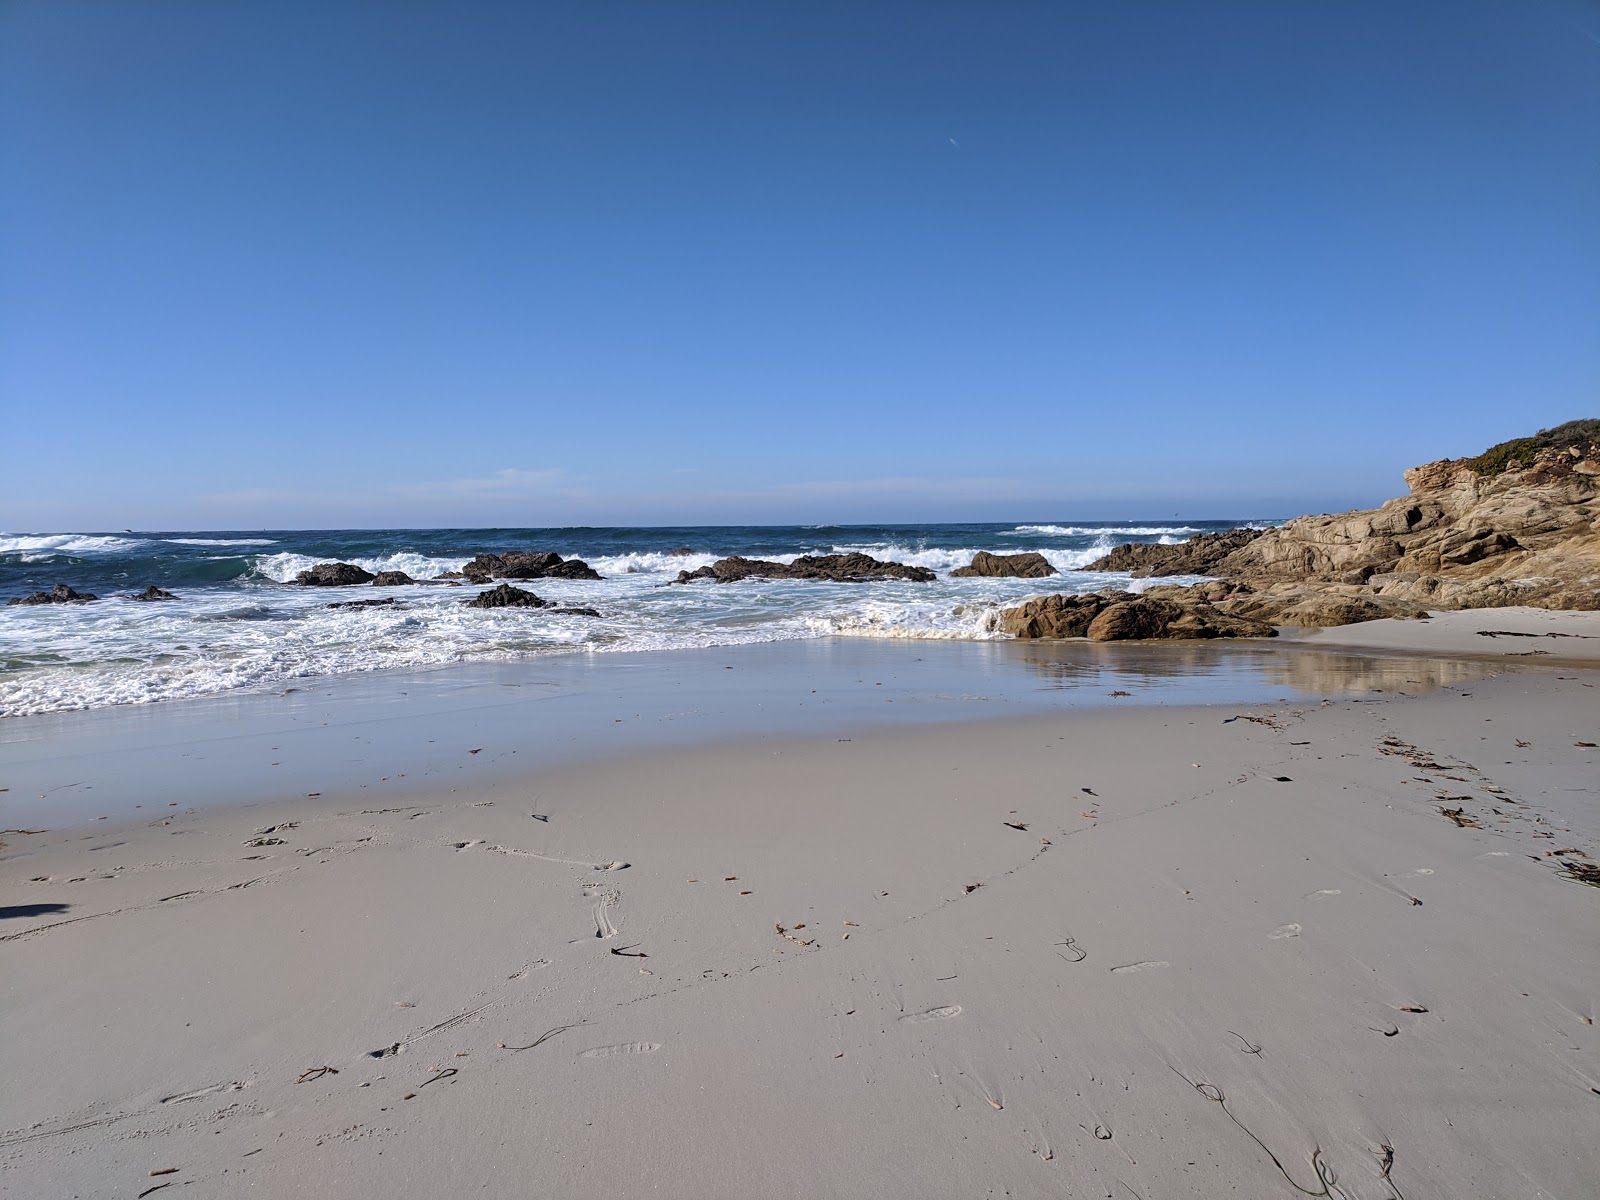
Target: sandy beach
1328 947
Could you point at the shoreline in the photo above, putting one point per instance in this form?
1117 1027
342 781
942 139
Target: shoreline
893 970
400 732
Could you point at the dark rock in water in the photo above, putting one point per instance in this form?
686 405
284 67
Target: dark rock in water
152 593
573 612
526 564
1198 556
334 575
373 603
835 568
1031 565
505 596
682 551
450 575
1122 616
60 594
391 579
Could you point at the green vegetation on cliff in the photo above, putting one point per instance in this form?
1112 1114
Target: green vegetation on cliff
1520 452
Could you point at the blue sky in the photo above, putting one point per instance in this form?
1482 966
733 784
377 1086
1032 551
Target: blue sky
330 264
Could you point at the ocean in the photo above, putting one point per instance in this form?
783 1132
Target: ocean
241 623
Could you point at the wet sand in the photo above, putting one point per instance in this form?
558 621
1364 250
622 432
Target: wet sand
1154 952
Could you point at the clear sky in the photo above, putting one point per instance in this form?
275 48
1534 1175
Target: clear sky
287 264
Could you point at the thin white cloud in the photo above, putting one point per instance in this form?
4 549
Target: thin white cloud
508 483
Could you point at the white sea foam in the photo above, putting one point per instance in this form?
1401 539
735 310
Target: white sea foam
650 563
34 547
286 565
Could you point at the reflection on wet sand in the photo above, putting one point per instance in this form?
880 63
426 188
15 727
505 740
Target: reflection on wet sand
1327 673
1072 664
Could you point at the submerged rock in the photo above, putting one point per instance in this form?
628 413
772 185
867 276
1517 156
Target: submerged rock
682 551
1198 556
527 564
505 596
373 603
391 579
835 568
1031 565
152 593
334 575
60 594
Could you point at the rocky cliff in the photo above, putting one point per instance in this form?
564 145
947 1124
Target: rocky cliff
1517 524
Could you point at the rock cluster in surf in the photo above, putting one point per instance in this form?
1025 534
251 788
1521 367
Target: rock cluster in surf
60 594
334 575
506 596
833 568
526 564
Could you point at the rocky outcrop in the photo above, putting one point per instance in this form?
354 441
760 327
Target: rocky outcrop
525 564
152 593
1519 524
836 568
1031 565
385 602
391 579
334 575
1198 556
1062 615
60 594
1122 616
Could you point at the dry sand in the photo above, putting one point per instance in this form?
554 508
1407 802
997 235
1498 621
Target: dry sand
1149 953
1502 632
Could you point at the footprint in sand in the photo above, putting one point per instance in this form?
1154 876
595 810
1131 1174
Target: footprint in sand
198 1093
603 928
624 1048
1290 930
932 1014
1148 965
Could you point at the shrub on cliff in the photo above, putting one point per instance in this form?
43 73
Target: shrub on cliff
1520 452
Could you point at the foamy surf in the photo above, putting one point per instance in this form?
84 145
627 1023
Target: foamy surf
241 624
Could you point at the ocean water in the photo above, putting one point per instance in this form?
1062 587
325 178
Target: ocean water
240 622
